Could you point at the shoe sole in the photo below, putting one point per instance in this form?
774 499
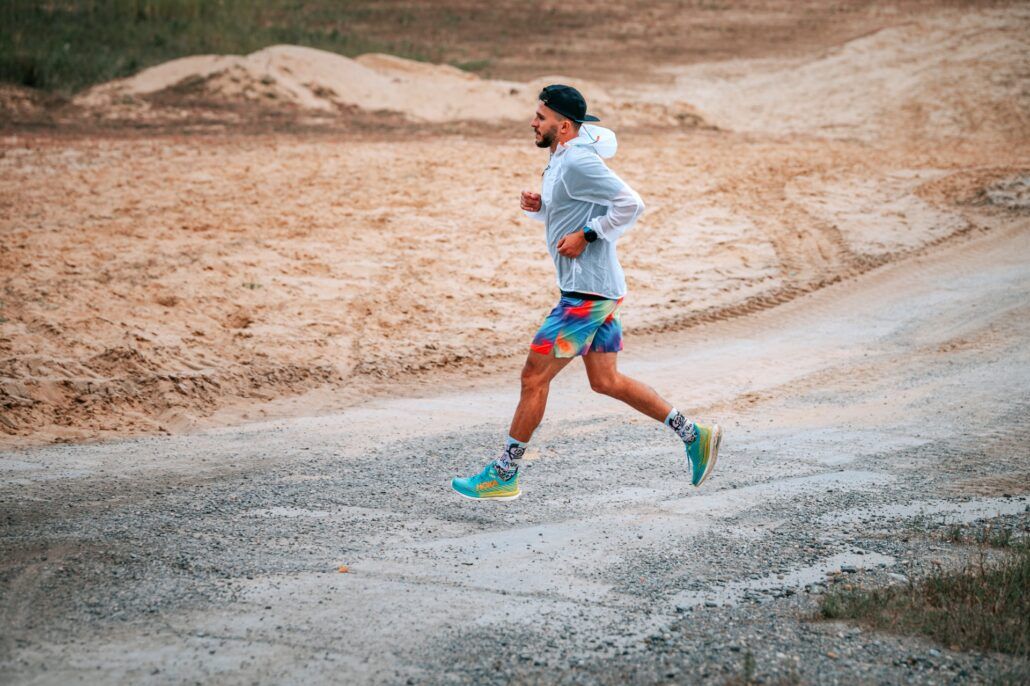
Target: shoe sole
495 497
713 453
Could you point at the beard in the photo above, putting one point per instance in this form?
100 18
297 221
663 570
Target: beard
546 139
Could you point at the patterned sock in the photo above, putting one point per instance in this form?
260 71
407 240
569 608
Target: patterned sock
683 427
508 463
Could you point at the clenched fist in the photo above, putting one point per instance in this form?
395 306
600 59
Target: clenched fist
572 245
530 201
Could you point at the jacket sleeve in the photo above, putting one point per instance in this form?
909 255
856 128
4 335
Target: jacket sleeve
539 214
589 179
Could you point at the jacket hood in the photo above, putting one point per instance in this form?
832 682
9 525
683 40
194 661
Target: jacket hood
597 138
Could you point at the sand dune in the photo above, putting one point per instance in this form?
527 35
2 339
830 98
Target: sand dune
290 76
946 75
320 80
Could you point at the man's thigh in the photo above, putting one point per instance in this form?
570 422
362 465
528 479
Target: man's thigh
600 366
543 368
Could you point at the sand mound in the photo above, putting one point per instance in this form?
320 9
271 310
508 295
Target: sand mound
948 75
316 80
319 80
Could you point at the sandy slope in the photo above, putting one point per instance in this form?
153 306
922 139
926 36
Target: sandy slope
154 283
956 74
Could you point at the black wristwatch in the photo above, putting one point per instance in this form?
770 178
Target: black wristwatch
589 234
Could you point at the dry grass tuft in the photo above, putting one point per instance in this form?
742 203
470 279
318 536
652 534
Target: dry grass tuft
982 607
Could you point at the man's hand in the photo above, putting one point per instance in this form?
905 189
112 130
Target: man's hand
572 245
530 201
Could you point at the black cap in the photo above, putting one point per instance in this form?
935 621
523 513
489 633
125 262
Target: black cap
566 101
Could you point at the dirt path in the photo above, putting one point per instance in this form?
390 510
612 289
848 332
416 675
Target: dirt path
859 418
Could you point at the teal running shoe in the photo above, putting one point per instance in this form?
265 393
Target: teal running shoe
487 485
703 451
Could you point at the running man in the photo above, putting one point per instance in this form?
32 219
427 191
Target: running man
585 207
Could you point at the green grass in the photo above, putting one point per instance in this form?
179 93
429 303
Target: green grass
985 606
63 46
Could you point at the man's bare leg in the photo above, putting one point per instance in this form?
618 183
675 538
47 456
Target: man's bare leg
700 440
499 479
537 374
605 378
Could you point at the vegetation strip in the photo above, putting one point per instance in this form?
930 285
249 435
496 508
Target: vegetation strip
984 606
66 46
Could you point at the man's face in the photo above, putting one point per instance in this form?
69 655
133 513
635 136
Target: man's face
545 124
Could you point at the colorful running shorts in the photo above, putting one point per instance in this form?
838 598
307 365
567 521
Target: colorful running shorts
576 327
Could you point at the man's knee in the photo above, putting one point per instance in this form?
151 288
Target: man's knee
534 375
605 384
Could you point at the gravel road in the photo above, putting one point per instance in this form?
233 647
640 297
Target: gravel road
860 419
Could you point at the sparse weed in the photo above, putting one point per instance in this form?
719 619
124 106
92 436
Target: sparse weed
995 533
996 537
748 677
983 607
954 534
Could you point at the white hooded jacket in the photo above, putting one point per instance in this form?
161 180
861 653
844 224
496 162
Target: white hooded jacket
580 191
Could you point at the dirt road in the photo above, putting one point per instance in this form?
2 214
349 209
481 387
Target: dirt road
860 418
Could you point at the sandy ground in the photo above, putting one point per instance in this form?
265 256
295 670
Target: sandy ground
862 421
163 282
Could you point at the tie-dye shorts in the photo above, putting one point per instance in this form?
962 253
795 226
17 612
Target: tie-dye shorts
577 326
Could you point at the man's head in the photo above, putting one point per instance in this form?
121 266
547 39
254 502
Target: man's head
558 115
